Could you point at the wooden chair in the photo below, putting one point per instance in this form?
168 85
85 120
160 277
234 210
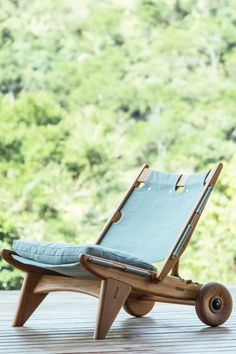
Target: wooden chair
117 284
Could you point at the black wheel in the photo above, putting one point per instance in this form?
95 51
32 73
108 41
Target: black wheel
213 304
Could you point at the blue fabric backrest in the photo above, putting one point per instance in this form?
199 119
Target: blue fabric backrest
154 215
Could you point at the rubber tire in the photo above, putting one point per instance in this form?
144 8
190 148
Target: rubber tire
204 305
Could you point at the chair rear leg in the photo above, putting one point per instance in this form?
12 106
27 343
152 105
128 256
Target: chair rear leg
113 294
28 300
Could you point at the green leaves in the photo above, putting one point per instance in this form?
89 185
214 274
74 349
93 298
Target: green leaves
10 278
92 90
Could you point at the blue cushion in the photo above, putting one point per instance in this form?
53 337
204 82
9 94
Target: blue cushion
51 253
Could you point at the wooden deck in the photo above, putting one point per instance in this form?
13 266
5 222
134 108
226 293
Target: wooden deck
64 324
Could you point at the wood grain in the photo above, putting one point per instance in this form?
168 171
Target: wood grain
112 298
28 300
206 311
50 283
63 324
138 306
171 287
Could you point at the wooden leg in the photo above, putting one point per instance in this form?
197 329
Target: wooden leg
113 294
175 270
28 300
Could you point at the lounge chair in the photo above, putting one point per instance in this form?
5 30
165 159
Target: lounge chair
154 222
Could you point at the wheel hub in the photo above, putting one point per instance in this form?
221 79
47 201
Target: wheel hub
216 304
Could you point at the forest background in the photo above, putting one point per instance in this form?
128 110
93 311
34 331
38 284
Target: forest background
89 91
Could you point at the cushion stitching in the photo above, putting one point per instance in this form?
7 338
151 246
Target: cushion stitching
35 253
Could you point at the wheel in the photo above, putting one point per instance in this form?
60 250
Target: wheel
138 307
213 304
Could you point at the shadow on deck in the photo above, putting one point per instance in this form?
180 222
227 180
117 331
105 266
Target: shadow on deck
64 323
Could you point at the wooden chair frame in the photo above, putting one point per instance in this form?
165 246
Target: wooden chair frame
118 284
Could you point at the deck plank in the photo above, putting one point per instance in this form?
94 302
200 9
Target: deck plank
64 323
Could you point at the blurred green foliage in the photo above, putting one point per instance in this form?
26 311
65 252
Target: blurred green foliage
89 91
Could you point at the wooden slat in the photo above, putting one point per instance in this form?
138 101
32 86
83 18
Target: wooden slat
146 172
64 323
144 175
50 283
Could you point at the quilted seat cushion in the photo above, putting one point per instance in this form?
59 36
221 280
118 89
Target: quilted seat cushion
57 253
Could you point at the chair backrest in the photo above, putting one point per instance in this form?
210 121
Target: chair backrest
154 216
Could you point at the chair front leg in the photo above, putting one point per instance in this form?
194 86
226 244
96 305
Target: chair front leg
113 294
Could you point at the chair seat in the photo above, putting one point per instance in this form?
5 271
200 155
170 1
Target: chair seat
64 258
